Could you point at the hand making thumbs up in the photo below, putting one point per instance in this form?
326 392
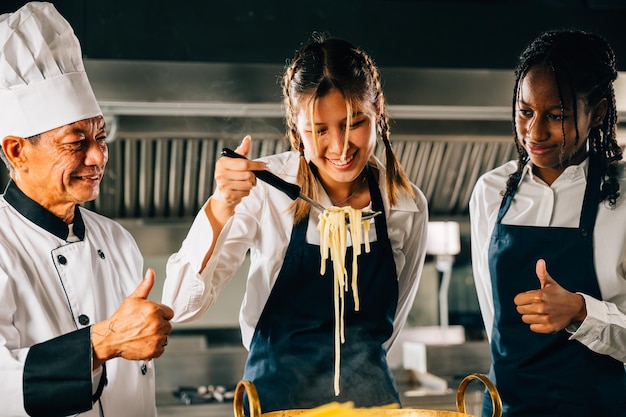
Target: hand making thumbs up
138 330
551 307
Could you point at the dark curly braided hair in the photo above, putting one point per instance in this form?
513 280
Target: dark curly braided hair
584 64
318 67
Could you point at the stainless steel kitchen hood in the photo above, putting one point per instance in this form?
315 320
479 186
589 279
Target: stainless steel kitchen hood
149 88
252 90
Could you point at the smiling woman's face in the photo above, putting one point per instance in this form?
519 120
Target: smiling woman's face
331 117
547 133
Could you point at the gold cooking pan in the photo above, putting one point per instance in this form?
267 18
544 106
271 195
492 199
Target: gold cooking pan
328 410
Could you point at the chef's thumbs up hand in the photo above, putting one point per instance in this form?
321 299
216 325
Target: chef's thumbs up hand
145 286
138 330
550 308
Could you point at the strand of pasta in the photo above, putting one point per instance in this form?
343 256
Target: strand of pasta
333 242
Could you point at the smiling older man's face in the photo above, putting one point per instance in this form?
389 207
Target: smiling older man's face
64 167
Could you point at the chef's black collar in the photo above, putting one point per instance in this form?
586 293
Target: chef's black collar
40 216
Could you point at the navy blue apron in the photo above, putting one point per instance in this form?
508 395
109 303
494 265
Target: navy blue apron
547 374
291 358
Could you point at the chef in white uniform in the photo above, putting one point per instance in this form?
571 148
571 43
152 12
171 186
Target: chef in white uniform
77 331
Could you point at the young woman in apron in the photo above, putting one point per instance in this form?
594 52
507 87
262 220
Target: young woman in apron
292 361
544 276
335 112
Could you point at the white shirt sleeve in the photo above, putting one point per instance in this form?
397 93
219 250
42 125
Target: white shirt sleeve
407 233
481 228
189 289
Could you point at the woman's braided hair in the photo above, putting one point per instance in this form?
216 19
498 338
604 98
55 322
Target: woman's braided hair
318 67
585 64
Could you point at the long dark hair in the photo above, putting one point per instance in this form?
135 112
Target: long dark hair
331 63
584 63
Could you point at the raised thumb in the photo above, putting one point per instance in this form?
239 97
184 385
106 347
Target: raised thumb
244 146
542 273
144 287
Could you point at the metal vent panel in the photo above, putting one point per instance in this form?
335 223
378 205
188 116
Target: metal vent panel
171 178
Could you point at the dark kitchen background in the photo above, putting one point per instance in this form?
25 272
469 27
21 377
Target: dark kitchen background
406 33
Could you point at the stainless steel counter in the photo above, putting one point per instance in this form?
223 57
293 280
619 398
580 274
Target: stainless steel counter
200 410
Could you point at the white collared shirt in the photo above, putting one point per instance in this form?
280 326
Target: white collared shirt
558 205
262 224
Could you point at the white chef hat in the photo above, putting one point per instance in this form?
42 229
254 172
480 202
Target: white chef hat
43 83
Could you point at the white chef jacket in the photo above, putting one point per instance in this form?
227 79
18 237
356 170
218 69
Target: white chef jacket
49 288
262 224
558 205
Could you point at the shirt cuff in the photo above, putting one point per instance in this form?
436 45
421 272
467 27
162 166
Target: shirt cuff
57 375
588 330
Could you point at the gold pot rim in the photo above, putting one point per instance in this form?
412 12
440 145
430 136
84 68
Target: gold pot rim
254 403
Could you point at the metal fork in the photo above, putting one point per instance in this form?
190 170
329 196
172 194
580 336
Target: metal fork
292 190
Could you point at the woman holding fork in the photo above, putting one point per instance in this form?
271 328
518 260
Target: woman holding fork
335 109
